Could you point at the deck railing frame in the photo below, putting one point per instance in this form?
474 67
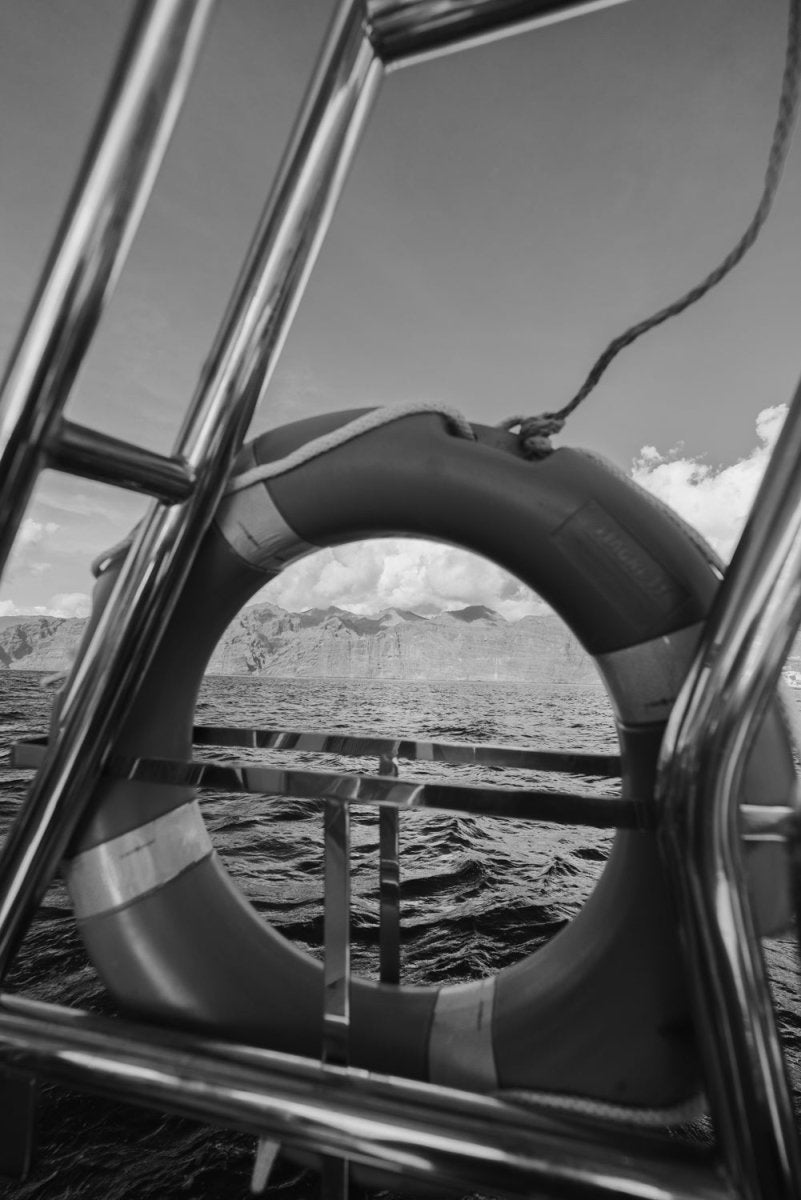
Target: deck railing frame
422 1131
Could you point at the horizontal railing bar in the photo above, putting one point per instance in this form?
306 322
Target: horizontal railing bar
402 1128
759 823
81 451
564 808
607 765
558 808
409 31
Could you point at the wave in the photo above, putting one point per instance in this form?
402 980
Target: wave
476 896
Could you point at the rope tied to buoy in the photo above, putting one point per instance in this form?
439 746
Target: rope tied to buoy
536 432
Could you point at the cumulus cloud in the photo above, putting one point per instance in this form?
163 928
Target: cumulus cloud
715 500
9 609
32 533
101 504
34 540
366 577
62 604
69 604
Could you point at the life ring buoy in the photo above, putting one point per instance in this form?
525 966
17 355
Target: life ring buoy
602 1009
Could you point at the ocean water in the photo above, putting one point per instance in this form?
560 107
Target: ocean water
476 896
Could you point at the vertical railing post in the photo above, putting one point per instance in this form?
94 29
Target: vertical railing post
336 970
713 726
389 878
336 934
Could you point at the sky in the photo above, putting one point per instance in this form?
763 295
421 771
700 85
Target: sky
512 209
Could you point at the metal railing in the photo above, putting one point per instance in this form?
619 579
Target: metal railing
411 1130
458 1138
391 795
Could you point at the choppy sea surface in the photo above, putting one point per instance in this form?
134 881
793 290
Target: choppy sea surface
476 895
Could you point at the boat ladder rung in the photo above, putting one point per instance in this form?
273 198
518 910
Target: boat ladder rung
81 451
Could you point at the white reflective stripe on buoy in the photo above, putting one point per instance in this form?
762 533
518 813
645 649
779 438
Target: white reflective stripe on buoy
124 869
254 528
460 1049
645 679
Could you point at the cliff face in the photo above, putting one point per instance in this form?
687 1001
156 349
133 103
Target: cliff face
39 643
473 643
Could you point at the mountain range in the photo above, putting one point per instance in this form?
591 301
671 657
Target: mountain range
471 643
264 640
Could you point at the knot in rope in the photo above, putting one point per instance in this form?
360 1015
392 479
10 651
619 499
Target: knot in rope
535 432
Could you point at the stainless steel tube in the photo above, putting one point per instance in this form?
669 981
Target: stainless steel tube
264 300
138 116
564 808
336 934
410 31
389 894
577 763
288 239
98 456
403 1129
335 1172
708 739
389 876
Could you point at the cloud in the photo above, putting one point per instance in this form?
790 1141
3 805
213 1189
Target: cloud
33 541
99 502
32 533
69 604
366 577
62 604
715 500
8 608
426 576
69 523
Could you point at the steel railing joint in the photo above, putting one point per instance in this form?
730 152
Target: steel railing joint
80 451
